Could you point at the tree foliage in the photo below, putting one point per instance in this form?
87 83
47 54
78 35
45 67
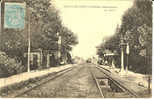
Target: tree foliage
68 38
9 66
136 29
44 22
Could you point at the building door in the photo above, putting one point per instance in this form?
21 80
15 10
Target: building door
52 60
35 62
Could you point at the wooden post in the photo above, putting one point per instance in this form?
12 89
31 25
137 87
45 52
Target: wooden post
149 87
48 60
122 60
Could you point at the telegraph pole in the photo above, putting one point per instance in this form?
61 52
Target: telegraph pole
0 16
1 22
0 19
29 48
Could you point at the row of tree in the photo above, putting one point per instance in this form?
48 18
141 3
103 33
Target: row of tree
136 30
44 23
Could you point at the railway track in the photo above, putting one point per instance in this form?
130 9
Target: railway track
40 83
97 83
117 88
121 86
108 87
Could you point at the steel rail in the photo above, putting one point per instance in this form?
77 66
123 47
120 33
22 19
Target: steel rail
58 74
118 83
98 86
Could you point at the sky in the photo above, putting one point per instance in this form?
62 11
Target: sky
91 20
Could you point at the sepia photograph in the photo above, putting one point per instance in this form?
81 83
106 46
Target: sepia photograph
76 48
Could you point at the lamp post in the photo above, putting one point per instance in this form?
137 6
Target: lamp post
127 52
127 48
122 44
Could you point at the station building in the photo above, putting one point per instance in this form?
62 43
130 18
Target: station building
42 58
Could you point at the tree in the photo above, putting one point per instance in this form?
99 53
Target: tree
45 22
136 29
69 39
48 25
111 43
13 43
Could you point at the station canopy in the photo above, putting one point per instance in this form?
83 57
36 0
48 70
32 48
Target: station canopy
109 53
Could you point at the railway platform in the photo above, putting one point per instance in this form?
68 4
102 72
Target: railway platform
135 82
15 79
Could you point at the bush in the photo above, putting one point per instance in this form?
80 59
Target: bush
9 66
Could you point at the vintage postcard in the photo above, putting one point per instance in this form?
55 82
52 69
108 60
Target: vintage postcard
76 48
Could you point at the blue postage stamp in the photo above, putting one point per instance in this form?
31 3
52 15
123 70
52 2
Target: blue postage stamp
14 16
